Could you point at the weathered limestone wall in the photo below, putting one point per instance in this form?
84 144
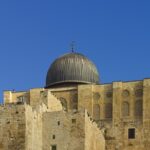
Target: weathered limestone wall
146 114
7 97
117 108
13 97
68 97
34 127
85 98
65 130
127 113
53 102
34 119
120 108
35 96
131 94
61 128
12 127
57 113
117 136
94 139
32 97
102 102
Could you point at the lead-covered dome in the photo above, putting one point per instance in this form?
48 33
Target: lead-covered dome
72 68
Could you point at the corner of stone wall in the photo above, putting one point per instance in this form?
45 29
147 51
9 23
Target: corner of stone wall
94 138
34 121
54 103
34 126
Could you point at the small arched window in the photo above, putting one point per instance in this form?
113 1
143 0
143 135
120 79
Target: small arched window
96 112
74 102
108 110
125 109
138 108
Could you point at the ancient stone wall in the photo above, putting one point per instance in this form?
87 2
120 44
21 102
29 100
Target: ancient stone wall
85 98
12 127
34 127
53 103
102 96
116 108
146 113
34 119
68 97
15 97
35 96
127 114
63 130
94 139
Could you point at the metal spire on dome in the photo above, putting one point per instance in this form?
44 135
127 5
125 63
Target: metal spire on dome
73 46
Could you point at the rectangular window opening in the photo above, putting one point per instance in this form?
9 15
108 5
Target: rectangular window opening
73 120
58 123
131 133
53 147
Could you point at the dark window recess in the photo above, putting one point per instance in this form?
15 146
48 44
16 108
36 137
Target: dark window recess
20 100
53 136
73 120
131 133
53 147
17 112
8 122
58 123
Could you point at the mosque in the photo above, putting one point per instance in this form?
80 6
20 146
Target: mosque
74 111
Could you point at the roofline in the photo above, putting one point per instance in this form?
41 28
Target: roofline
69 81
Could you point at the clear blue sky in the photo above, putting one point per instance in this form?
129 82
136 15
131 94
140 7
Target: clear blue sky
114 34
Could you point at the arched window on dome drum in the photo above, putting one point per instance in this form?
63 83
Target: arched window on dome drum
96 112
75 106
74 102
125 109
108 110
64 103
138 108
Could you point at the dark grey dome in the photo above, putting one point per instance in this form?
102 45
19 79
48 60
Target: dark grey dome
72 68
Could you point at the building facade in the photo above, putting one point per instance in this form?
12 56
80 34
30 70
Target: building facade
74 111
